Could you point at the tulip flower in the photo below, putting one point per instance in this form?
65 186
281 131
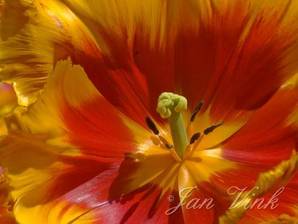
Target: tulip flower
150 111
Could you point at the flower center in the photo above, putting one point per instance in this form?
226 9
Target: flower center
171 106
175 156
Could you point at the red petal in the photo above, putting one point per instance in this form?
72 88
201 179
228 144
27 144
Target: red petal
123 87
97 129
156 65
268 137
38 174
199 207
71 106
113 59
287 199
143 205
235 183
229 68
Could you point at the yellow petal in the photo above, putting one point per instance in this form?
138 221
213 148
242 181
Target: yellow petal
211 162
13 17
52 213
24 57
32 168
221 133
27 58
277 176
45 115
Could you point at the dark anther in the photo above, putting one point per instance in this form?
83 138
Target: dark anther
152 126
169 146
196 111
211 128
165 142
194 137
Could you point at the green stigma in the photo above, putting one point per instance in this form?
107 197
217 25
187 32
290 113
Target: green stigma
170 106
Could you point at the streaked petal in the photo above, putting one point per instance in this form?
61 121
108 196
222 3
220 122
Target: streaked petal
145 65
62 137
267 138
77 129
37 172
120 67
25 57
143 205
71 111
285 211
237 56
265 195
12 17
269 135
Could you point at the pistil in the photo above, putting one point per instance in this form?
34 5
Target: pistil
170 106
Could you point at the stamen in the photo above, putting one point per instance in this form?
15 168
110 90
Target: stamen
175 155
192 147
155 139
165 142
152 126
196 110
212 128
194 137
